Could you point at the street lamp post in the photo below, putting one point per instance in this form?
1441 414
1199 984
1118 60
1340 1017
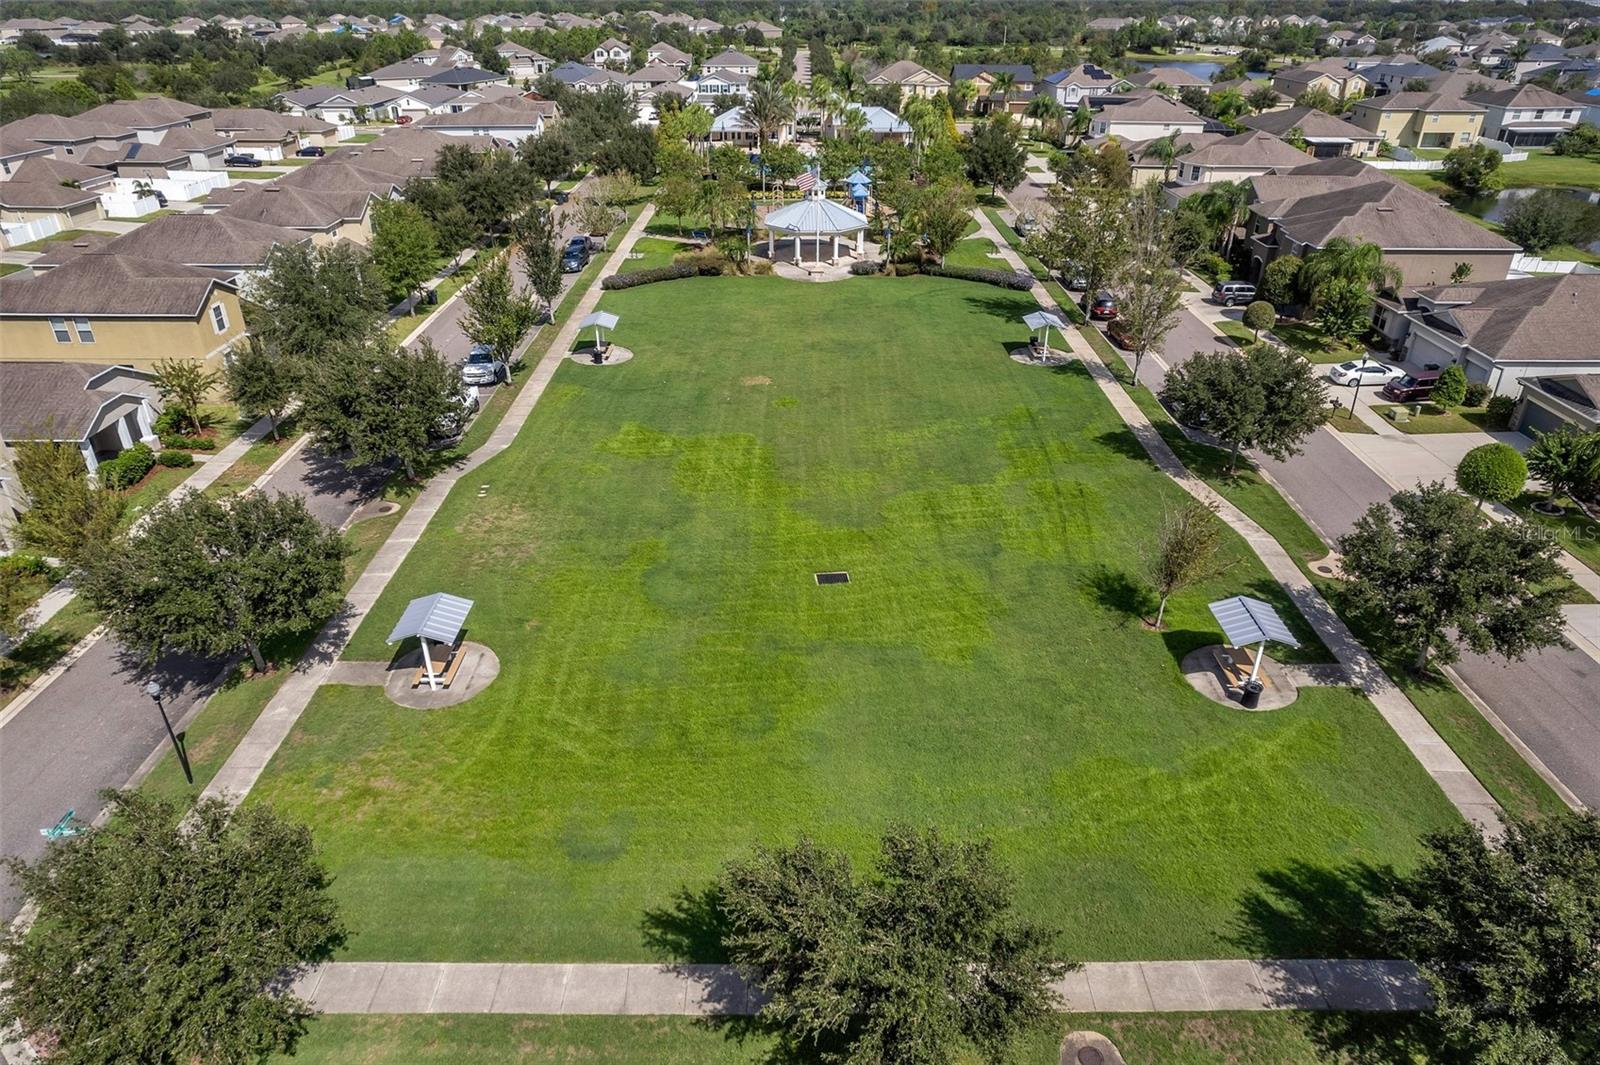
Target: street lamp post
154 691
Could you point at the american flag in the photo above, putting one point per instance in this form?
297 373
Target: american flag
807 180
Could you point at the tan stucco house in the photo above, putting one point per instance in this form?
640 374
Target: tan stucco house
1421 119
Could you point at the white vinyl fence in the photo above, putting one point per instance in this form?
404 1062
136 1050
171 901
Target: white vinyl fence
1532 264
14 233
179 185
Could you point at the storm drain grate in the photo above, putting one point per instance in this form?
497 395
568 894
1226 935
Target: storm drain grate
835 577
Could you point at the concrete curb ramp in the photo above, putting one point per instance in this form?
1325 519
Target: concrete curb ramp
719 990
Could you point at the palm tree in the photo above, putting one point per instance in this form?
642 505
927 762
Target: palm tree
1166 149
1003 83
926 120
1046 111
962 94
1228 105
1262 98
769 110
1343 259
1224 204
1082 120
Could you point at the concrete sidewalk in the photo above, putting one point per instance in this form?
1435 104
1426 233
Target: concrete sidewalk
244 766
719 990
1436 757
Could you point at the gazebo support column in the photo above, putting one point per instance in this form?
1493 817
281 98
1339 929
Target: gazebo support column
770 243
861 243
835 249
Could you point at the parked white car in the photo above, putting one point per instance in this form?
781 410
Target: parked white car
1364 372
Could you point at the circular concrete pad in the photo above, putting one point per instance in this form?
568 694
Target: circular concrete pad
615 355
1089 1048
1200 669
1025 355
478 669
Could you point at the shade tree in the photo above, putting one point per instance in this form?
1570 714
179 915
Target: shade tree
1261 397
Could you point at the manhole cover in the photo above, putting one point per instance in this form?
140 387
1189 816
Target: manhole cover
1090 1056
835 577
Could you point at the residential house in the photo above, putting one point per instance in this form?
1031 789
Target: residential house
1145 118
912 79
1441 43
1526 116
1339 80
732 62
442 57
652 77
101 410
405 75
150 118
1107 25
1148 166
1082 82
1501 331
462 78
768 31
270 135
1548 402
346 106
720 84
206 150
1298 211
1326 136
48 170
702 27
227 245
523 62
139 160
611 52
1393 77
324 214
507 121
1339 40
24 201
102 308
1536 61
733 126
572 72
1173 79
879 123
13 153
983 77
666 55
1235 158
65 137
1421 119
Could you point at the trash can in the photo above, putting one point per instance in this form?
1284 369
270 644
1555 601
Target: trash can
1250 694
431 297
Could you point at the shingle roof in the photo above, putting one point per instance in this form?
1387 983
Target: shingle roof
57 129
1386 212
205 240
464 76
43 195
1313 123
97 283
145 113
967 71
1171 77
1152 108
730 58
1527 95
291 206
1532 319
53 400
901 71
59 171
1419 101
1253 148
501 114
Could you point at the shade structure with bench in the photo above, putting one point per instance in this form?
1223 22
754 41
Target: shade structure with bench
1040 323
434 619
602 322
1247 621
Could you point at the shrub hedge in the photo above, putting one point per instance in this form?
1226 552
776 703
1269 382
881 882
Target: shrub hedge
983 275
673 272
1477 392
171 441
176 459
863 267
1500 410
128 468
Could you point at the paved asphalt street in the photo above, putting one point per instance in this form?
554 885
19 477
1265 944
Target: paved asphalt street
1551 700
93 726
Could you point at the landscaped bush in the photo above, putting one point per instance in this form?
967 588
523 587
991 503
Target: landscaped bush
14 567
177 460
1477 392
708 261
636 278
1500 410
983 275
171 441
128 468
868 266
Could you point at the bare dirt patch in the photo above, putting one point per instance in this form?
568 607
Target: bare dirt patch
759 379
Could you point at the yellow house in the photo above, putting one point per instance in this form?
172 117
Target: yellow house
327 216
1421 119
99 307
912 79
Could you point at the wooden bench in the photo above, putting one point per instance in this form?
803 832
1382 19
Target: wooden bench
444 672
1235 664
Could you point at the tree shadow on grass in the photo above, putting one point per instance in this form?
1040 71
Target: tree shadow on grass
1121 593
1309 911
1007 304
691 928
1125 443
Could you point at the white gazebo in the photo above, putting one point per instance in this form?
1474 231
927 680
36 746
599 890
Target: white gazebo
815 218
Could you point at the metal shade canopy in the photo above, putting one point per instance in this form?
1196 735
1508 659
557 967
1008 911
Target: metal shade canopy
1042 319
603 319
436 617
1245 620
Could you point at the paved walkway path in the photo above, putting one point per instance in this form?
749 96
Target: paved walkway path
713 990
243 768
1437 758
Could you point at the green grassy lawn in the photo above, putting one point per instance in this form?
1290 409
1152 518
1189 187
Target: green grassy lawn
1346 422
1434 419
151 217
975 251
1281 1038
1313 344
1577 533
11 268
653 252
675 687
363 138
264 172
1509 778
43 243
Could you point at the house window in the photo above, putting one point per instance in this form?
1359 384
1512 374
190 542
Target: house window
219 318
58 326
84 330
1538 114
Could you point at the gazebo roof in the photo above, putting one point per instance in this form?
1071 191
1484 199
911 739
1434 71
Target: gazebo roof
1245 620
860 177
437 616
815 215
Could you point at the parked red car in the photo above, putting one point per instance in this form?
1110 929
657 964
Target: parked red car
1103 306
403 120
1117 330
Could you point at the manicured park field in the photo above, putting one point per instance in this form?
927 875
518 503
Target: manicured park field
676 687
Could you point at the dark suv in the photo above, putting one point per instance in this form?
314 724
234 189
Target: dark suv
1412 387
576 255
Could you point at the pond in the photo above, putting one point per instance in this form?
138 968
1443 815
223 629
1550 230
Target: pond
1494 208
1206 70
